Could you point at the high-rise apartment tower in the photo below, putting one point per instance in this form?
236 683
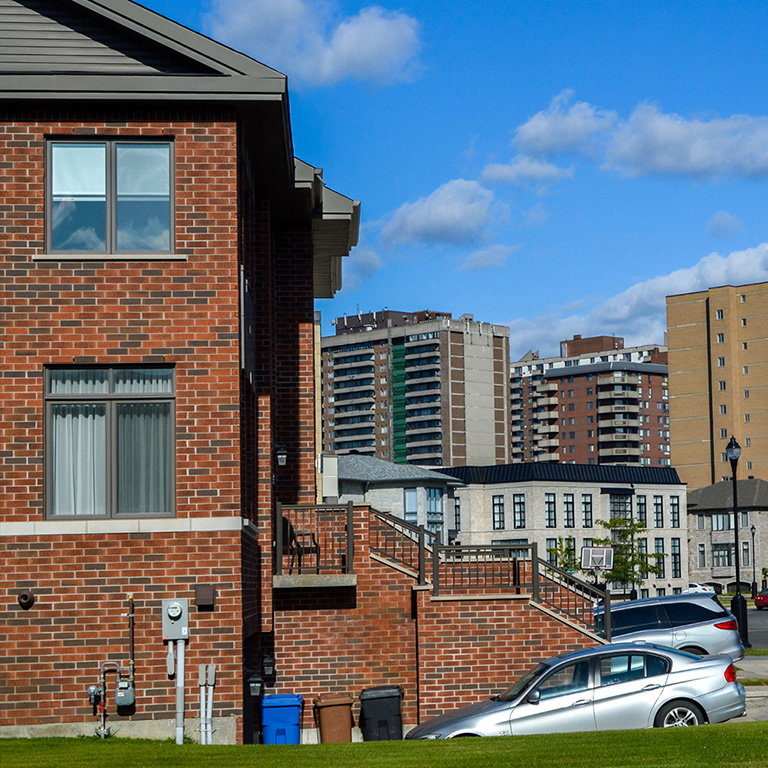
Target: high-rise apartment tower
718 366
417 388
597 403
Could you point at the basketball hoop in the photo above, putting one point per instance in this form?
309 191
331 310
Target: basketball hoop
596 559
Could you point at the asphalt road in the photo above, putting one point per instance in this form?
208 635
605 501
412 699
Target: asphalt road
757 622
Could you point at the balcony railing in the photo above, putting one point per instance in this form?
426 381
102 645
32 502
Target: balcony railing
314 539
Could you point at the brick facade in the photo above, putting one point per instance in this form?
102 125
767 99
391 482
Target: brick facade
185 313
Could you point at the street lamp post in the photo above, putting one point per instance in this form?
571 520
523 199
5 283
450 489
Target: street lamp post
738 604
753 530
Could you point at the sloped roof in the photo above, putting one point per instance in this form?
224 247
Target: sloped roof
115 51
103 49
563 473
368 469
752 494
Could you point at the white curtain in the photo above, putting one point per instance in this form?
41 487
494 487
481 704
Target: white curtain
78 443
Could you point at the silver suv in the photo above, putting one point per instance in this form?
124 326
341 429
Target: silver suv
696 623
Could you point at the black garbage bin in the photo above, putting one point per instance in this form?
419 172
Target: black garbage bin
380 717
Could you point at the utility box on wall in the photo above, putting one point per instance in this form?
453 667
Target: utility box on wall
176 619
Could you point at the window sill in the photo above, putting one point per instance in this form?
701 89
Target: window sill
110 257
79 526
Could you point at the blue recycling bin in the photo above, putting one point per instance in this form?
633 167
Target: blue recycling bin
281 718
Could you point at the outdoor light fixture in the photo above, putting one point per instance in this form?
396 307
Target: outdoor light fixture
738 604
282 457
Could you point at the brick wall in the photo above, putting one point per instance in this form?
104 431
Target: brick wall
183 312
54 650
472 649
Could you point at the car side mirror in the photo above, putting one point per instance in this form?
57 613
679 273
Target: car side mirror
533 697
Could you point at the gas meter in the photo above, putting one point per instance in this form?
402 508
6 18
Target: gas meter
125 694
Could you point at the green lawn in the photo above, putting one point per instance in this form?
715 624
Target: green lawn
731 744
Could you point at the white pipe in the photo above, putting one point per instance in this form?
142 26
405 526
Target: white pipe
180 691
209 718
201 683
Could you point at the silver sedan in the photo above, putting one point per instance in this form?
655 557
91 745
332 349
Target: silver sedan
627 685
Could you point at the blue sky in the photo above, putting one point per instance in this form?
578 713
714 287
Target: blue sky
559 167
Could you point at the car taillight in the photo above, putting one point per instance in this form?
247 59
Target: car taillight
730 674
727 624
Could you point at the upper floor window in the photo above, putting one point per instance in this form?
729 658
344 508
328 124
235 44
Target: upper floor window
109 196
498 513
110 442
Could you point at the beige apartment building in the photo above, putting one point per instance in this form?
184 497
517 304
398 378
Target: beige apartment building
718 387
416 388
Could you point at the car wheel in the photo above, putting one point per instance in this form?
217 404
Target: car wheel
759 607
694 650
679 714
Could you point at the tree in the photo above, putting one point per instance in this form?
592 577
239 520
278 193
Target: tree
630 565
564 554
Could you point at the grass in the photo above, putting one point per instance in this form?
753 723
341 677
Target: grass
728 745
756 651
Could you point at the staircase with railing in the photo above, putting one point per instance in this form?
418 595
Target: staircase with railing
316 540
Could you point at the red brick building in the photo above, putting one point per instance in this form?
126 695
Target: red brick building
160 250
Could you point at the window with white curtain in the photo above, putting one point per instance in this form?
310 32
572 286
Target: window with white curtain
110 442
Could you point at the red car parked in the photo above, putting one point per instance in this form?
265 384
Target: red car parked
761 600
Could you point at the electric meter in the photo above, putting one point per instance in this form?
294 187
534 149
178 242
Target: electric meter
175 619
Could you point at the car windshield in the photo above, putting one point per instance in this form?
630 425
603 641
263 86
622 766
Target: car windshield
517 688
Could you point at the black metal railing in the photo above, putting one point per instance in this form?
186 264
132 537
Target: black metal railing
401 542
314 539
319 539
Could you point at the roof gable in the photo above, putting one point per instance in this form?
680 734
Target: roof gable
117 48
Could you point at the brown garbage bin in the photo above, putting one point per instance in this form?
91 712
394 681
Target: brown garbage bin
333 715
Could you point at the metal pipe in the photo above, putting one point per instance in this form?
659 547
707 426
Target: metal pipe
209 715
180 691
201 683
131 639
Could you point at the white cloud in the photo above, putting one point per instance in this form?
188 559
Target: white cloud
493 256
724 224
310 42
457 212
536 216
524 170
649 142
359 267
639 313
564 128
652 142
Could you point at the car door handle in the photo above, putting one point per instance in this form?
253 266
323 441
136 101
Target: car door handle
651 687
581 702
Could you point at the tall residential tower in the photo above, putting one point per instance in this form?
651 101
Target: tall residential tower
718 362
417 388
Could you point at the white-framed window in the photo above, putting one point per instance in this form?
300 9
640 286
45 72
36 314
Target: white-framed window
109 196
110 445
720 338
586 511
